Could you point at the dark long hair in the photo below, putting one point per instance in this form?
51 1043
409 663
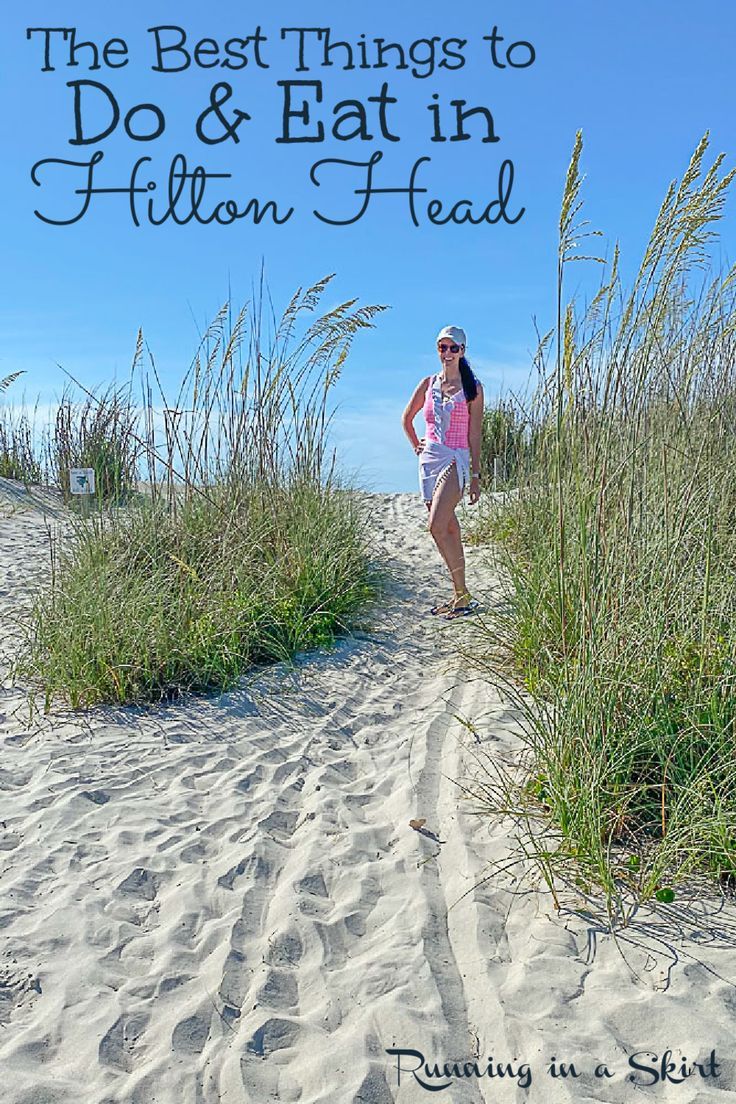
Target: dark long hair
470 383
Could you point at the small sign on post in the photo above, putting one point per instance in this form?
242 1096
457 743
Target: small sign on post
82 481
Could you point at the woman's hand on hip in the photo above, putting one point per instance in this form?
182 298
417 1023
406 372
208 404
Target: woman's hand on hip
419 446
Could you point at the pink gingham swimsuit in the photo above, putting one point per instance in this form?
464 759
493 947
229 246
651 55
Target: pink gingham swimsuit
446 440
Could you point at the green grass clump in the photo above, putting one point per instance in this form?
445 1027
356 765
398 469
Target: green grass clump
504 443
98 433
147 606
620 552
18 456
243 550
18 453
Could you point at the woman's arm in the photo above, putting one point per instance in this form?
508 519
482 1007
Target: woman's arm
475 432
415 404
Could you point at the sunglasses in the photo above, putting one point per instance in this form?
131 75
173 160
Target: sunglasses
452 348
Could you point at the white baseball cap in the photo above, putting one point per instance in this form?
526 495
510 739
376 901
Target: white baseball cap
455 334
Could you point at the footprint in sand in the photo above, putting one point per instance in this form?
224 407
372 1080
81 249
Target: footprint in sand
140 883
190 1035
117 1044
279 991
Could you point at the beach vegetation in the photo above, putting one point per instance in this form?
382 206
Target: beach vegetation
504 442
98 432
19 457
619 556
241 547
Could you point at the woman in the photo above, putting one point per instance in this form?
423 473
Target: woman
449 455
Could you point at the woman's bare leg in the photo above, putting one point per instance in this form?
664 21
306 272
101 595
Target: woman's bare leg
445 528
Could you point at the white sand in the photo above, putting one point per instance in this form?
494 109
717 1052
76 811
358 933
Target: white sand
223 900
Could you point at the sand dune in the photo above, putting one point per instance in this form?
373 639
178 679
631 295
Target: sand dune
222 900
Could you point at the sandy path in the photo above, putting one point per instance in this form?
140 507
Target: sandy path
223 900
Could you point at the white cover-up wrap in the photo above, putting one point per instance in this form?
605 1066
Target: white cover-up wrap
435 459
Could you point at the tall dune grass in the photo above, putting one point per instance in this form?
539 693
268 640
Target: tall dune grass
19 458
19 455
95 432
98 432
244 547
620 552
504 442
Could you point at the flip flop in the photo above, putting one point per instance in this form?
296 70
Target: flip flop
463 611
442 608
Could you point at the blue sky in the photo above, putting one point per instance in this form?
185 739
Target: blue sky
643 82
